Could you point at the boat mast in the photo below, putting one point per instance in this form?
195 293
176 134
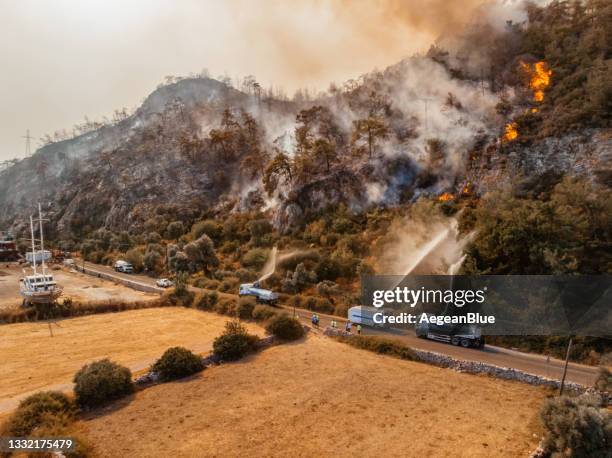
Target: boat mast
42 242
33 245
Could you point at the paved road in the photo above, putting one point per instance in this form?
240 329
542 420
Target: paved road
527 362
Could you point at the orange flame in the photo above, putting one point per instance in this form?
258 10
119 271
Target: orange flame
511 132
445 197
539 78
467 188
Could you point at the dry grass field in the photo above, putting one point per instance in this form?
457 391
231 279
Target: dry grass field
78 286
32 360
320 397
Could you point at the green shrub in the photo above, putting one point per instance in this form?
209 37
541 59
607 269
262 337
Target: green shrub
604 380
263 312
208 300
229 284
327 269
209 227
136 258
341 310
234 343
244 308
285 327
255 258
296 301
177 362
181 296
577 427
319 304
174 230
381 345
211 284
225 306
40 410
100 382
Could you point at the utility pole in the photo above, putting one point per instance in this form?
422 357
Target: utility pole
569 348
28 145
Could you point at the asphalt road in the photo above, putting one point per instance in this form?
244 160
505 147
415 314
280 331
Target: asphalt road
526 362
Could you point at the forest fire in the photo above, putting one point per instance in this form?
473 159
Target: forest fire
445 197
539 78
511 132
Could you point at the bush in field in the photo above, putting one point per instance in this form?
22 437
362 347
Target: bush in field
234 343
41 410
208 300
225 306
263 312
177 362
381 345
181 295
100 382
577 427
255 258
245 307
604 380
285 327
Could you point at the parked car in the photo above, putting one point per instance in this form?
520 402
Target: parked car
164 283
123 266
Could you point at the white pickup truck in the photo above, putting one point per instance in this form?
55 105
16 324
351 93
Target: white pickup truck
123 266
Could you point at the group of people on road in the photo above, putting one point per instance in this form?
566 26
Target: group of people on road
334 324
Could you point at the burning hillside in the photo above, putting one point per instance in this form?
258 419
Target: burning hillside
539 75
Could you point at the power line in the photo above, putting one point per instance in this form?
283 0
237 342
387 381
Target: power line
28 145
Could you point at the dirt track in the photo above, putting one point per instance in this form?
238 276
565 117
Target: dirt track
320 397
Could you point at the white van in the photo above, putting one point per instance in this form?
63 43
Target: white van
123 266
364 315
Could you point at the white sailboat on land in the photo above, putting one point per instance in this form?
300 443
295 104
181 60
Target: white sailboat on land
40 287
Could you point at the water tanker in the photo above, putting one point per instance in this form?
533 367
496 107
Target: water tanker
264 296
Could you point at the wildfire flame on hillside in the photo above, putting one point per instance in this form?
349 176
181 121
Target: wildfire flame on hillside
539 78
445 197
511 132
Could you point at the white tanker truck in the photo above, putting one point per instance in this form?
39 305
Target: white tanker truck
264 296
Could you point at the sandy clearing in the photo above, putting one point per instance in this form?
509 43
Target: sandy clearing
320 397
32 360
78 286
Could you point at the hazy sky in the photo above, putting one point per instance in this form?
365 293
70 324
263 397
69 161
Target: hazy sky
64 59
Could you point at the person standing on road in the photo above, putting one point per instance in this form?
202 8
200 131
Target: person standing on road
359 329
347 328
